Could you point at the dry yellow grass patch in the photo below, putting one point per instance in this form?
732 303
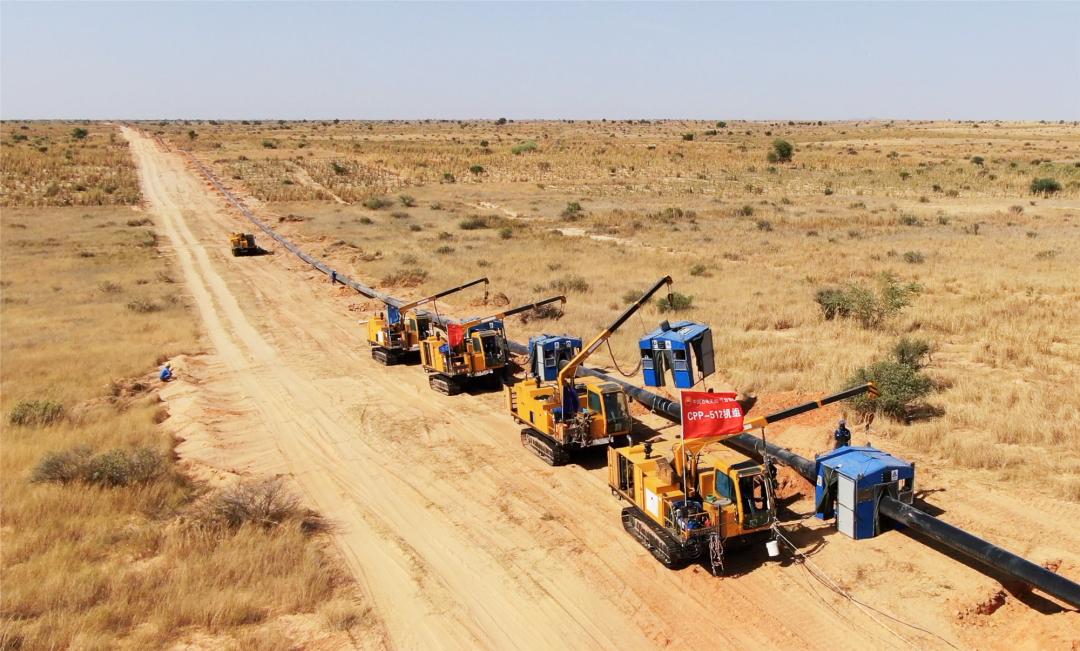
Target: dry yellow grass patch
65 164
88 304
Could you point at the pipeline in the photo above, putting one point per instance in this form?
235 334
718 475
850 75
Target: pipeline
360 288
973 547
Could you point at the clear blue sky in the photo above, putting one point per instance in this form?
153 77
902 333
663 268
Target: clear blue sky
543 60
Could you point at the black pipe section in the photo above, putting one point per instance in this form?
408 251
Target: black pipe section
988 553
956 539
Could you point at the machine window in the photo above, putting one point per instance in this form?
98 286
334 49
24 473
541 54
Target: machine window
755 500
618 414
491 347
724 486
594 403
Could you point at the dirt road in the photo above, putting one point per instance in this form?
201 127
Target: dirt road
459 537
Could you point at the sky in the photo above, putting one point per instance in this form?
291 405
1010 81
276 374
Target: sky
283 60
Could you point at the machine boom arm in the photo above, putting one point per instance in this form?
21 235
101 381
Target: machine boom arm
445 292
465 325
570 369
762 421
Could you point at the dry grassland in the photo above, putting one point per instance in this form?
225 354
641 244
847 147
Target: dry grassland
65 164
106 544
946 206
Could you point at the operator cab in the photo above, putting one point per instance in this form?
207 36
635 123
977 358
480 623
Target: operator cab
491 343
610 402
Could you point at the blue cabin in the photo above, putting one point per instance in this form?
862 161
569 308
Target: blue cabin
548 352
684 347
495 325
851 481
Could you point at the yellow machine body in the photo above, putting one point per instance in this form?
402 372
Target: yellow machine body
482 352
730 502
243 244
735 492
603 418
405 335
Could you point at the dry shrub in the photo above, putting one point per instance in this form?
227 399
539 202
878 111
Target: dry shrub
344 614
36 413
143 306
570 283
674 302
265 503
548 312
405 278
117 467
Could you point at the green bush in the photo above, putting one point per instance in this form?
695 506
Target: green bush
900 380
78 133
688 136
1045 187
914 257
763 225
674 302
911 351
721 125
506 232
37 413
377 203
269 144
699 270
400 214
524 147
444 250
339 169
572 212
782 151
860 302
407 200
477 169
122 467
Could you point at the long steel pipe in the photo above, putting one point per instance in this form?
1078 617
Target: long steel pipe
995 557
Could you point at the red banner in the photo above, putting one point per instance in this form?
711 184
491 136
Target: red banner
456 334
710 414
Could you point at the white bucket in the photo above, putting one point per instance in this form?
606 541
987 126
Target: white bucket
773 547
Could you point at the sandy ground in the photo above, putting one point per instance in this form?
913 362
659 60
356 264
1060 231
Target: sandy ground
461 539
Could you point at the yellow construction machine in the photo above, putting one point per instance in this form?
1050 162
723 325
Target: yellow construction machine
692 499
243 244
456 353
396 332
575 413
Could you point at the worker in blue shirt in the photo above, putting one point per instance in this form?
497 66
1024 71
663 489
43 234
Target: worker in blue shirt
166 372
842 435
